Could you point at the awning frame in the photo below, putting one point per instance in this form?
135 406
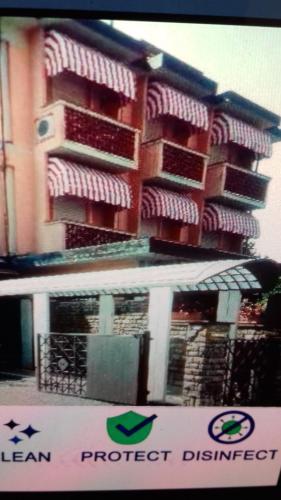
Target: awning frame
165 100
68 178
63 53
226 128
158 202
219 218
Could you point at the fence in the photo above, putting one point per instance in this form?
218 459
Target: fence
216 371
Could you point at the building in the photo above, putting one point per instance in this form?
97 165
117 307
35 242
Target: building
115 156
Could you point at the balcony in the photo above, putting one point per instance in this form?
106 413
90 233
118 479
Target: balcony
173 165
237 186
64 235
86 136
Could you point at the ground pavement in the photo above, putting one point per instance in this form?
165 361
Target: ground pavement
22 390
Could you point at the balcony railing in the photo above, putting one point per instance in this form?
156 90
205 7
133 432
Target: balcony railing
64 235
77 236
170 163
240 187
82 134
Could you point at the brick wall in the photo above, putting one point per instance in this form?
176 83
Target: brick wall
81 315
197 354
130 323
197 360
74 315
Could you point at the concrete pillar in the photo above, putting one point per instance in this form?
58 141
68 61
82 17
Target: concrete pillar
228 306
228 312
5 84
27 358
41 317
106 314
159 322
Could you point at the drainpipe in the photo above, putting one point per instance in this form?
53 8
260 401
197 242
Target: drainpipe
3 140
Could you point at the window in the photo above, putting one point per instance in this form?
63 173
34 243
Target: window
101 214
163 228
104 101
69 208
227 242
239 156
70 88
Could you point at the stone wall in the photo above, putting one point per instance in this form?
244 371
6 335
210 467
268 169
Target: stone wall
74 316
81 316
198 360
197 354
131 323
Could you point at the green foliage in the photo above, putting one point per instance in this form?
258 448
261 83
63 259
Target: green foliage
275 290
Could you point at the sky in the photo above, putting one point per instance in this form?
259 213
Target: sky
245 59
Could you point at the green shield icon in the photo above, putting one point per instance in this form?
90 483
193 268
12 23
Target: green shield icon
129 427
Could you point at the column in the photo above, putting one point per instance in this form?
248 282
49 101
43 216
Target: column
41 318
27 358
228 312
106 314
159 322
228 306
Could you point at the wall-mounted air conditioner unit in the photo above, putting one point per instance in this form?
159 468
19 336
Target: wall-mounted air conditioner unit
45 128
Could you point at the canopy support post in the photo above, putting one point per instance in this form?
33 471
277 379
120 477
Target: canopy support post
41 319
159 321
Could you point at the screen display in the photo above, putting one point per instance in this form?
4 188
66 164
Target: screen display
140 240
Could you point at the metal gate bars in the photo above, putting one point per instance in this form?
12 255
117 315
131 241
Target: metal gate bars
253 372
111 368
62 363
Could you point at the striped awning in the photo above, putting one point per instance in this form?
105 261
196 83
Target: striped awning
165 100
227 129
67 178
63 53
158 202
221 218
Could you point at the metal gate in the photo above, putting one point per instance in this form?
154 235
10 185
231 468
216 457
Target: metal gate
253 372
112 368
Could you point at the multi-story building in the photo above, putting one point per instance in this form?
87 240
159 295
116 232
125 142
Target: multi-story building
108 140
121 141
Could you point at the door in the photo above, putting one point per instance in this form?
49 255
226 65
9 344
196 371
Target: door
112 368
10 334
117 368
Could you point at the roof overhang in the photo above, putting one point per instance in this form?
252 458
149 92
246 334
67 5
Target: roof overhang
167 68
141 251
244 109
98 33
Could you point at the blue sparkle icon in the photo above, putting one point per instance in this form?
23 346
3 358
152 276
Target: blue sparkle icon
15 439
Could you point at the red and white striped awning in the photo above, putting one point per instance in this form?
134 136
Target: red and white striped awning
227 129
62 53
67 178
229 220
165 100
158 202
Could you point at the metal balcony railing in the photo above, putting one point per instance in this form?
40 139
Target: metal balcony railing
183 162
79 235
84 135
97 132
173 164
237 185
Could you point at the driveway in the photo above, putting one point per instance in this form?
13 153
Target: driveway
18 390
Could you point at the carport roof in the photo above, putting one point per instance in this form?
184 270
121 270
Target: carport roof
242 274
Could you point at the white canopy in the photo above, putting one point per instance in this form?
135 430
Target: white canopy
212 275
